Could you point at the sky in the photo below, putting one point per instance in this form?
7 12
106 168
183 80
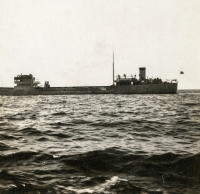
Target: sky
71 42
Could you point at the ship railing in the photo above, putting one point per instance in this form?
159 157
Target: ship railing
124 77
172 80
24 76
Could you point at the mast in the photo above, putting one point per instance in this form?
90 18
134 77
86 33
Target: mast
113 67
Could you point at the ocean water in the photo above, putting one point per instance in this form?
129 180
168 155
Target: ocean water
101 144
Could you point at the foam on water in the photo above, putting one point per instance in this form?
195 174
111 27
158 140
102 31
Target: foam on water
101 188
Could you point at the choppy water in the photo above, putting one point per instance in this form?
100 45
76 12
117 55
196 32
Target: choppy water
100 144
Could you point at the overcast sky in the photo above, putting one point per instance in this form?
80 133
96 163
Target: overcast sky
70 42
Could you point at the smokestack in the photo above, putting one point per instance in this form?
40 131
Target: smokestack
142 73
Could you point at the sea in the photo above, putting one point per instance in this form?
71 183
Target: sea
100 144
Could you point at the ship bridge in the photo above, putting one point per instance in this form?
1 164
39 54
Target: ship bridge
25 82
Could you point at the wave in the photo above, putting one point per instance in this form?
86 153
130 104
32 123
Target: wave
59 113
4 147
131 122
111 170
16 118
15 157
109 124
191 104
71 123
56 144
112 185
42 139
30 132
3 123
17 185
57 124
60 135
112 160
6 137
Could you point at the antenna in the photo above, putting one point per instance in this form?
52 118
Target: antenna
113 67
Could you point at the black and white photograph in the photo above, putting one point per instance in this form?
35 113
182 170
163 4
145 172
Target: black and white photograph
99 97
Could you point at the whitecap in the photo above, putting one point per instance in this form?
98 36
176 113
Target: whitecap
104 187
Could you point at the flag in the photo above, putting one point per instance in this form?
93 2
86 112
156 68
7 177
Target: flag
181 72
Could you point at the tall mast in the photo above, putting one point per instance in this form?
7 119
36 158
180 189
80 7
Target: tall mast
113 67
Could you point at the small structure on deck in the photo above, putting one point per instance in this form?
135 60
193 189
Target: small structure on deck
46 85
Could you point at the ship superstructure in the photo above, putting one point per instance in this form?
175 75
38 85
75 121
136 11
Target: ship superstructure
24 81
124 80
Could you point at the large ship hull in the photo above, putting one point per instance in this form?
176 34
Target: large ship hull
169 88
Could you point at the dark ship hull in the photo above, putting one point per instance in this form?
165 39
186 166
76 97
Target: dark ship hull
168 88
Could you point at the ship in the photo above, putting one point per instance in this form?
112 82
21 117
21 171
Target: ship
27 85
